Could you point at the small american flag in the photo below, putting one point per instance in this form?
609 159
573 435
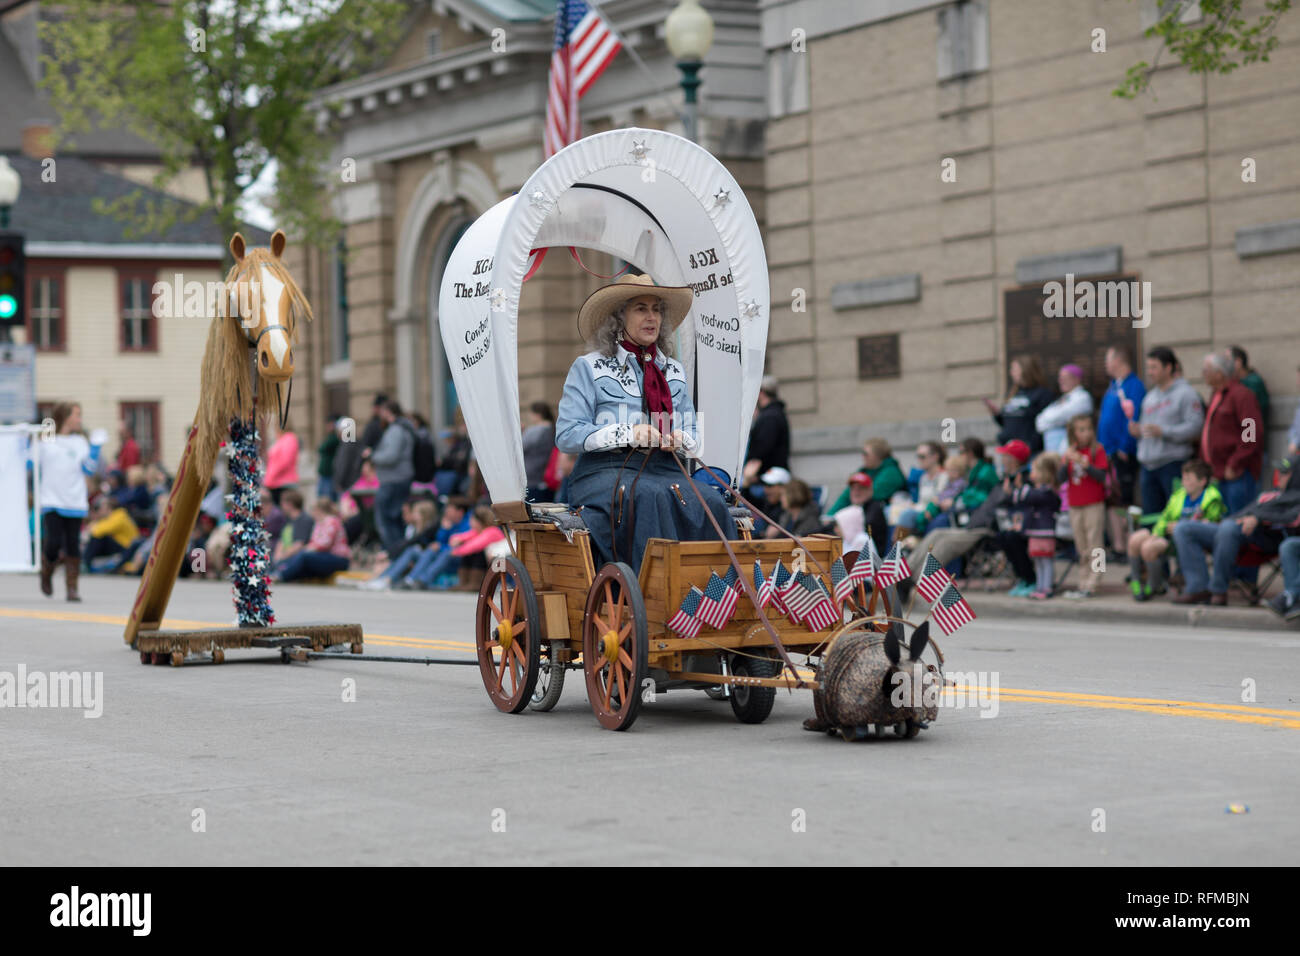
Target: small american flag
823 612
718 603
732 580
799 597
867 565
780 580
933 579
952 611
893 569
763 586
840 580
584 46
684 622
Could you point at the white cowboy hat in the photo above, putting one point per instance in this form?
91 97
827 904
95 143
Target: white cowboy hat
601 303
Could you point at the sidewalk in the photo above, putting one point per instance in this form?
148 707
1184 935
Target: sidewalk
1116 605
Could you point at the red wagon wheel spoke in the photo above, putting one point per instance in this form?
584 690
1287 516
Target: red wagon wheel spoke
622 688
496 611
514 603
626 660
609 594
518 651
609 686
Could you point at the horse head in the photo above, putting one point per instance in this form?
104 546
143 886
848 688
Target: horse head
261 297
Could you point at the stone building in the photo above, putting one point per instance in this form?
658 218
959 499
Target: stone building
921 170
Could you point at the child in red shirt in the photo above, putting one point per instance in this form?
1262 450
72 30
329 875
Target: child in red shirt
1084 468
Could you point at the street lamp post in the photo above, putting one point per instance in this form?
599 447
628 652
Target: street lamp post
689 31
10 186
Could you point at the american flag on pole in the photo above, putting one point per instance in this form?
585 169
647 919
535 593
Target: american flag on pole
868 563
841 583
780 580
823 612
718 603
584 46
763 586
951 611
732 580
684 622
799 596
893 569
933 579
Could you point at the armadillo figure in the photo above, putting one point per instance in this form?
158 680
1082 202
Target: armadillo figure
864 681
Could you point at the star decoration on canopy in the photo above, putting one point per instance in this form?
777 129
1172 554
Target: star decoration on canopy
539 200
498 300
639 149
751 309
722 197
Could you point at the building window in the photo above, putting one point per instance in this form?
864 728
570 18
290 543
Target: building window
963 39
433 43
787 82
139 328
339 338
142 418
45 320
1152 11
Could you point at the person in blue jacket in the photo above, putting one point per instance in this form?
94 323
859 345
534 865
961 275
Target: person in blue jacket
1121 404
625 412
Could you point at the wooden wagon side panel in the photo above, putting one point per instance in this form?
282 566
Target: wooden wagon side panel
557 564
671 567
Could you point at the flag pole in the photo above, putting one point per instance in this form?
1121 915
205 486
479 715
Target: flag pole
912 599
594 6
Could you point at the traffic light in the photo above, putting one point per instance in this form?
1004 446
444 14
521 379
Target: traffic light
13 280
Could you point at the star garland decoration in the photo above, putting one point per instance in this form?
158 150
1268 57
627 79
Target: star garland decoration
250 559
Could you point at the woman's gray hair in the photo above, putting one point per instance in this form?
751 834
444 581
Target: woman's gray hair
611 332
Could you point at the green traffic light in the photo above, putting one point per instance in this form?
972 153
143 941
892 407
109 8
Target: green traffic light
8 306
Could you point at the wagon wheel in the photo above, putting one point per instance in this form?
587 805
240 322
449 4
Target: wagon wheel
550 683
506 634
615 646
751 705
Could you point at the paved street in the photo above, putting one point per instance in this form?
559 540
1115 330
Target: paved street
1145 723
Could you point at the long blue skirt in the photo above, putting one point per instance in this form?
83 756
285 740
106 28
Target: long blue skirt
643 506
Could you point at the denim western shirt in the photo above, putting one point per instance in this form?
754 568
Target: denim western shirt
602 402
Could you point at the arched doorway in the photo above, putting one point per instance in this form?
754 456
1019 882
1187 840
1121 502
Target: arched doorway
442 389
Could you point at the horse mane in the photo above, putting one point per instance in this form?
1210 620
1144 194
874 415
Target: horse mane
225 387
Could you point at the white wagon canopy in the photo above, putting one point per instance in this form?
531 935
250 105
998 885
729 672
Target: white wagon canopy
655 200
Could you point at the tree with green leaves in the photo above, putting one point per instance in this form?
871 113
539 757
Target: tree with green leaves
224 86
1220 40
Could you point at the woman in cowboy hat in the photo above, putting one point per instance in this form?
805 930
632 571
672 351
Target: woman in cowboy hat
626 411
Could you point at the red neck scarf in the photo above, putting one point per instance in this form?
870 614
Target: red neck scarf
654 386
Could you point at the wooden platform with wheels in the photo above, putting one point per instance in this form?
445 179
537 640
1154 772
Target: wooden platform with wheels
173 646
547 608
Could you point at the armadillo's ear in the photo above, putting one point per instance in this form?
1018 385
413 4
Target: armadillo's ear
920 638
237 247
892 650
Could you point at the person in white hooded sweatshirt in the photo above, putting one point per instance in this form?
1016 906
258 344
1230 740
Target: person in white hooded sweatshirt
67 459
1075 400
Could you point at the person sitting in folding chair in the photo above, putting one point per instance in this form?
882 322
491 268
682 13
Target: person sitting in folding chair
1262 524
1194 500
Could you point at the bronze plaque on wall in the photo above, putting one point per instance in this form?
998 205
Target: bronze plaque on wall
1069 339
878 356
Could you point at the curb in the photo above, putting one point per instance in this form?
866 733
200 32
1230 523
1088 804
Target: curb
1244 617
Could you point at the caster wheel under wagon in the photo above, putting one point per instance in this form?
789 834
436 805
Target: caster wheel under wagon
550 684
507 635
615 646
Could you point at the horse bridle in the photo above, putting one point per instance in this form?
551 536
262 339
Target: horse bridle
288 397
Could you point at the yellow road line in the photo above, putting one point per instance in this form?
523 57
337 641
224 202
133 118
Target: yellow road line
1208 710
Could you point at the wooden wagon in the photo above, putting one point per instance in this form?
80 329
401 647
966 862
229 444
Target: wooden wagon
666 206
549 609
